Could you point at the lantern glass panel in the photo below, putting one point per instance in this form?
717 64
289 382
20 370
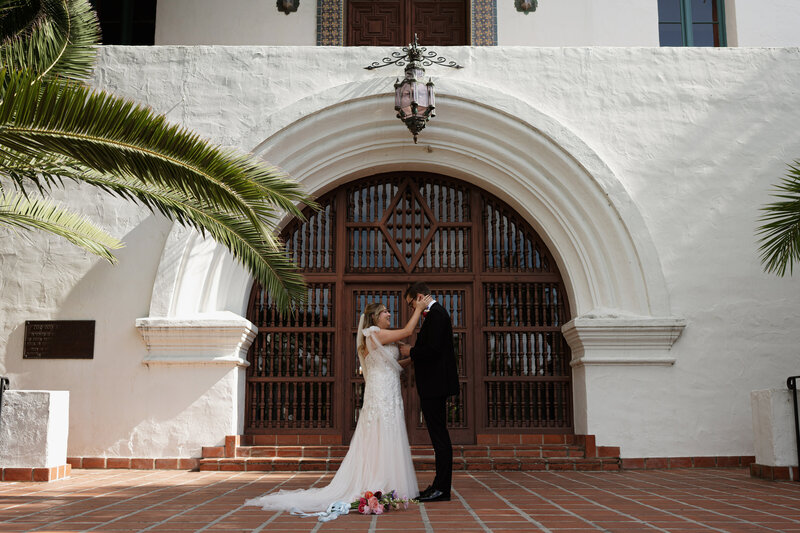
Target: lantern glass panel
403 99
422 97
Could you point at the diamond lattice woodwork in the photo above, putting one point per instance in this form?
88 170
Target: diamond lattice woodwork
484 263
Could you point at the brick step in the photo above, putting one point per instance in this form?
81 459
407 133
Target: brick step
516 452
459 451
421 463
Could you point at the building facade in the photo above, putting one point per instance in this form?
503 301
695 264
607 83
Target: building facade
586 210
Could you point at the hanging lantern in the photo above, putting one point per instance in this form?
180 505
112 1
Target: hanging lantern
414 100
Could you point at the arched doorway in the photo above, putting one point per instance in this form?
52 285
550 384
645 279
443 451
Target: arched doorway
371 238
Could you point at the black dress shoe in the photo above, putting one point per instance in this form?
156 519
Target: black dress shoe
435 496
426 491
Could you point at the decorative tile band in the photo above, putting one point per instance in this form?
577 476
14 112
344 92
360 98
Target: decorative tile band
484 23
330 22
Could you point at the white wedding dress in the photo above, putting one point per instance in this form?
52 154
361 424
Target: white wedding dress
379 457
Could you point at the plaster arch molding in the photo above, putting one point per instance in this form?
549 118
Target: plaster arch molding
528 159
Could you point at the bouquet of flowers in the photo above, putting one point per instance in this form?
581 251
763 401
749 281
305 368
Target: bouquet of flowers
380 502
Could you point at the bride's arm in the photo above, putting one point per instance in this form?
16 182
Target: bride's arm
387 336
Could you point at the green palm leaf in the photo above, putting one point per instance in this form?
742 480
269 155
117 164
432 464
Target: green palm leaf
26 213
259 252
118 137
780 231
49 37
52 128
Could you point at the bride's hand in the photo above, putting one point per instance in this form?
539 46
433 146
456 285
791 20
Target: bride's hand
422 302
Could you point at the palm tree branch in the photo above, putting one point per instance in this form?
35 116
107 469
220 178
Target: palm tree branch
29 213
118 137
255 248
780 229
50 37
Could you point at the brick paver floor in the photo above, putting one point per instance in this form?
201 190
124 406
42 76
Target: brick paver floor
178 501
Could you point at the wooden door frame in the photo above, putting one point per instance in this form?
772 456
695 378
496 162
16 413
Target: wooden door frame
473 277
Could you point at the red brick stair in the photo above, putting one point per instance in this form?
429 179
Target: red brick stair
494 452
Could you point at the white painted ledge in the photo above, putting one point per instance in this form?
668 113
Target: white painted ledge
204 339
622 340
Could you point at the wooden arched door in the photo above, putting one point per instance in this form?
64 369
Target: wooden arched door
369 241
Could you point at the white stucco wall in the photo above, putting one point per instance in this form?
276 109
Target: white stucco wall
693 138
579 23
763 22
554 23
234 22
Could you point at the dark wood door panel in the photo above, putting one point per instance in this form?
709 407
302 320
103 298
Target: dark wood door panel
376 23
439 23
394 22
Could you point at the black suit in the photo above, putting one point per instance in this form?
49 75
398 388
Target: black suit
437 378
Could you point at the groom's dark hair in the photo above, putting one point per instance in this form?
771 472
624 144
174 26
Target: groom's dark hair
419 287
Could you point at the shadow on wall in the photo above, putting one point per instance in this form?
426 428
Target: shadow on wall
117 404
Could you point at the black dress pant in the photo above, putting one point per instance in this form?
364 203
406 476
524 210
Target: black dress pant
434 409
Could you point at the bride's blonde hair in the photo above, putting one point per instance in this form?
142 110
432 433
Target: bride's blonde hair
368 319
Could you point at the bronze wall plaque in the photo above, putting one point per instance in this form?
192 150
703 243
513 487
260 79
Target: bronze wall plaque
59 339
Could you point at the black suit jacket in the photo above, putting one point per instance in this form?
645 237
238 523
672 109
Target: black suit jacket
434 357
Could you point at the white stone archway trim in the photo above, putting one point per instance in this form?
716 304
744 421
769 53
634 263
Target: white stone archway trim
616 289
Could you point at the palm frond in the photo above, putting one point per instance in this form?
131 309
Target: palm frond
42 172
118 137
255 248
27 213
50 37
780 231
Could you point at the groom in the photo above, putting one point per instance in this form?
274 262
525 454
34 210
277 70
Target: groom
437 378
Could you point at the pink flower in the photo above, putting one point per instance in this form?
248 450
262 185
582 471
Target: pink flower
375 506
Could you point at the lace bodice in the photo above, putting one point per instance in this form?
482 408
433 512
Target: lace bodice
382 394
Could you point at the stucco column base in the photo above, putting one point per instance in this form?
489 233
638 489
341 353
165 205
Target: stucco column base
602 343
209 338
33 435
773 433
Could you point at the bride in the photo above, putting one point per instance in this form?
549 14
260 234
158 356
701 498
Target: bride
379 458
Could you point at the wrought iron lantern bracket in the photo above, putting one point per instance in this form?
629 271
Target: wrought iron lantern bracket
414 99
